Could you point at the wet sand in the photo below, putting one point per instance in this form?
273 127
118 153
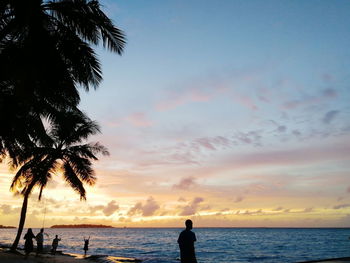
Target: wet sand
8 257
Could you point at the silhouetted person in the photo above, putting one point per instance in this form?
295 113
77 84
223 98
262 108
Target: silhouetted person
86 245
28 244
186 243
40 241
55 244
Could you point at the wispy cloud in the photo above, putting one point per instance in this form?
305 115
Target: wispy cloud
307 100
8 209
330 116
245 100
292 156
341 206
139 119
308 209
176 99
239 199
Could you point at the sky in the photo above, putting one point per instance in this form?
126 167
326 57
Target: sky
231 113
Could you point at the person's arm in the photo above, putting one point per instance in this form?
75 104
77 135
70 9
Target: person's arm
179 240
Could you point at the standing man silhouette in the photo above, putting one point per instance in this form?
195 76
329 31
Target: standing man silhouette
40 241
186 243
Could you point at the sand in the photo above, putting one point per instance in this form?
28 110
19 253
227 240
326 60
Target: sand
7 257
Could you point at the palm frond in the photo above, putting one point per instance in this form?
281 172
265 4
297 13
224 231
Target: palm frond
82 168
73 180
87 20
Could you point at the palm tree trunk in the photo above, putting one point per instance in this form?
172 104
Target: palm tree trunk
22 219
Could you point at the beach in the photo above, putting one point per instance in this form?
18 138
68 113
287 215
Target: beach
9 257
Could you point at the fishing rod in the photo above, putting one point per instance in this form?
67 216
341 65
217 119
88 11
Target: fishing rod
43 226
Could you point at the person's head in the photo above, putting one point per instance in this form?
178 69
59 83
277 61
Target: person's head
56 236
30 231
41 230
188 224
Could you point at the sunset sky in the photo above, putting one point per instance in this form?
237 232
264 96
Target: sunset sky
231 113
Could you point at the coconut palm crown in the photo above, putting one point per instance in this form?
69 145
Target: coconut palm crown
63 150
45 55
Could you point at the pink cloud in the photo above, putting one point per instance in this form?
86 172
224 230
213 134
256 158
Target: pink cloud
245 101
181 199
110 208
293 156
185 183
139 119
192 208
147 209
239 199
211 143
264 95
326 94
187 96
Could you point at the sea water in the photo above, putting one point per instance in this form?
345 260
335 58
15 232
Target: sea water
214 245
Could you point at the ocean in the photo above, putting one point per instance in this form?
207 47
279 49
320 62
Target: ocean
214 245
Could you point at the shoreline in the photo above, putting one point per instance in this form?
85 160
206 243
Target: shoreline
6 256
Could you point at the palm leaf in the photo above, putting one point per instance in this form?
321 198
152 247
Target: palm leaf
73 180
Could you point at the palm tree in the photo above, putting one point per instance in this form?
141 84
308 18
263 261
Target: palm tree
45 54
62 149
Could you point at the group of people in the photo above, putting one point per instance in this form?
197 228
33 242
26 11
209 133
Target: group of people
186 243
29 246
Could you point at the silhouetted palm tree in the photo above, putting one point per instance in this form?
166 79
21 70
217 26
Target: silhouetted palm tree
62 149
45 54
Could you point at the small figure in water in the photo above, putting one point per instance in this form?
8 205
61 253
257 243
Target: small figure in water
28 244
40 241
55 244
186 243
86 245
